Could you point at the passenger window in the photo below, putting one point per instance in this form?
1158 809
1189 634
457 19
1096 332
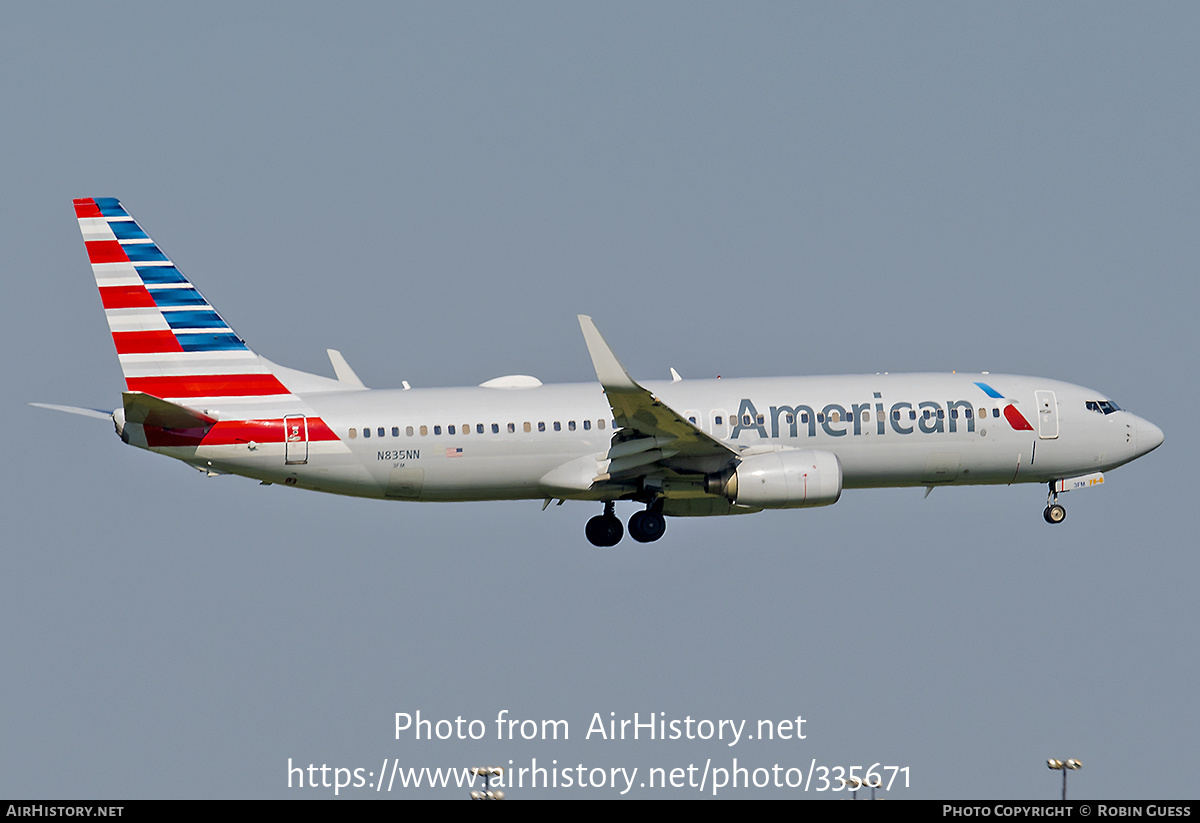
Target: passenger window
424 430
791 419
760 420
353 433
512 428
587 425
599 424
557 426
408 430
366 431
717 420
954 414
866 417
528 428
479 428
895 414
570 425
495 428
541 425
437 429
449 430
466 428
380 431
834 417
982 412
395 431
941 414
995 412
820 417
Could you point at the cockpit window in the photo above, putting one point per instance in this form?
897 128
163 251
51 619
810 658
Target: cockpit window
1102 406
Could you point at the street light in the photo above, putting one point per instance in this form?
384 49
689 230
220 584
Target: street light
1063 766
855 783
487 773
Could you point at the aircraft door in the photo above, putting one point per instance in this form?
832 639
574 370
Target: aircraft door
295 439
1047 414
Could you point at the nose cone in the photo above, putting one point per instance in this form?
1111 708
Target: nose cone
1149 437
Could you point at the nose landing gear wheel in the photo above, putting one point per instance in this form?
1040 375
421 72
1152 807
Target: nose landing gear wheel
647 526
1054 513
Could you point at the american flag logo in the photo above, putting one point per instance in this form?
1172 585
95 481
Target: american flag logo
454 452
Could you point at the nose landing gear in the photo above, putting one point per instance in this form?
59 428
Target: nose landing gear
1054 513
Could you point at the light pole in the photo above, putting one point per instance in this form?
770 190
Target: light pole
487 773
1063 766
855 783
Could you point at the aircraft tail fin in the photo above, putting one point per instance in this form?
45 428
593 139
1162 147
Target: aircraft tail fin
171 342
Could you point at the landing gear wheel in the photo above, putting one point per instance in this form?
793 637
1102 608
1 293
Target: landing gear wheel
647 526
1054 513
604 530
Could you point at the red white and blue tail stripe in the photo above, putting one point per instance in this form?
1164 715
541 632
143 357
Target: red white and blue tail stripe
171 343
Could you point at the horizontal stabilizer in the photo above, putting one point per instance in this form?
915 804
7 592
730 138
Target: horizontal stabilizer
97 413
149 410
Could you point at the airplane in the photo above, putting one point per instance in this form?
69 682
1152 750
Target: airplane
195 391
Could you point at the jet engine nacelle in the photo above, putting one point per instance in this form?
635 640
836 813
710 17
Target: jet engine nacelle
782 480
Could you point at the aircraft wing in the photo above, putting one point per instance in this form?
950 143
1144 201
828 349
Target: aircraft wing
654 435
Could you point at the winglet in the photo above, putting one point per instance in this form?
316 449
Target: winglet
609 371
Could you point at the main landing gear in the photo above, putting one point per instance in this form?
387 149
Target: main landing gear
605 530
1054 512
649 525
